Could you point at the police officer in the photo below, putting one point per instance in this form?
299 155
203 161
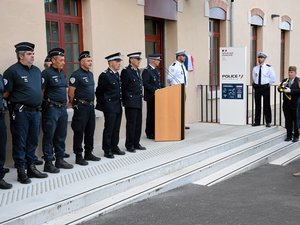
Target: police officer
109 97
54 114
81 96
3 138
24 92
177 73
290 87
263 77
151 82
132 94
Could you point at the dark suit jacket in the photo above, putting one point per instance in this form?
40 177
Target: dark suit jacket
132 88
151 82
108 92
290 99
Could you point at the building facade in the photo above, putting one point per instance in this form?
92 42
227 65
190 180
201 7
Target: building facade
199 26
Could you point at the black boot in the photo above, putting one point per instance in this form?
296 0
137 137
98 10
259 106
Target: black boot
61 163
4 184
91 157
22 176
32 171
50 168
79 160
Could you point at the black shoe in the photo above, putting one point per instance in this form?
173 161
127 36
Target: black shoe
268 125
38 162
255 124
5 170
79 160
187 128
131 149
117 151
32 171
139 147
61 163
150 136
295 139
4 184
22 176
109 155
50 168
91 157
288 139
66 155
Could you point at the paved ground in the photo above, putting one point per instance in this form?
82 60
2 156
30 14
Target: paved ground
268 195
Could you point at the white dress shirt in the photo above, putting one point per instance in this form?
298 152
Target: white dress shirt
267 74
176 74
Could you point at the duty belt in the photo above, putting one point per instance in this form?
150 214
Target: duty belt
84 102
20 107
56 104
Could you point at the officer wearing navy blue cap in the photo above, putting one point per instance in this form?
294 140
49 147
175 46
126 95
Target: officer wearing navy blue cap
151 82
132 95
24 92
109 98
81 96
3 138
54 114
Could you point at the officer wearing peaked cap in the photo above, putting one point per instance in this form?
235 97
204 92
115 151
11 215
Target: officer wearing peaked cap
151 82
132 92
263 77
54 114
109 97
24 92
81 96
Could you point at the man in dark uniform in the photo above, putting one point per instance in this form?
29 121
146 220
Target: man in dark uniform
263 77
54 114
132 94
81 96
3 138
291 92
109 97
24 92
151 82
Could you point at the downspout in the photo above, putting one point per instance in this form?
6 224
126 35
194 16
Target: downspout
231 24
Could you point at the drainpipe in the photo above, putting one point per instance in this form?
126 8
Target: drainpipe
231 24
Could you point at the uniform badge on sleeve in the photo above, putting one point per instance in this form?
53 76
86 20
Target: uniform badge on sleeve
43 80
5 81
72 80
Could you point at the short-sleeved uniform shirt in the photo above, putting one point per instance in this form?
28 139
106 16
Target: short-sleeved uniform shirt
84 83
24 84
54 85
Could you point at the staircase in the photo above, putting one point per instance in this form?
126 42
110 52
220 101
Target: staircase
210 154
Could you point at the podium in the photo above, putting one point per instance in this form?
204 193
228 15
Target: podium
169 113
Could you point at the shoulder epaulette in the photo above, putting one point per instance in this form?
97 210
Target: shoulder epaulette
268 65
174 64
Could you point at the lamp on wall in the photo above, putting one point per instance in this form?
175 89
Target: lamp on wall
274 16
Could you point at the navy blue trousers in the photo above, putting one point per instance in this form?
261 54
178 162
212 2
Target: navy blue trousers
3 138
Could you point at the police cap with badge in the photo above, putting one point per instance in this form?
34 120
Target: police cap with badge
135 55
83 55
154 56
262 55
180 53
56 52
114 57
24 46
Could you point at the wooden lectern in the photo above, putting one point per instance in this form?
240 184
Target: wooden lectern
169 113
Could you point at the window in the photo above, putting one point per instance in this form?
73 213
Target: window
64 29
214 45
154 36
282 54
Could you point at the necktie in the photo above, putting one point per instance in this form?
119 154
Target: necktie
259 76
291 82
183 74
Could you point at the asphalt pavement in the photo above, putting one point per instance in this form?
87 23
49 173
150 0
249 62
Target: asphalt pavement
268 195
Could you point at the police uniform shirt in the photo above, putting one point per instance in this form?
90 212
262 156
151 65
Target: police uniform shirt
132 87
109 92
24 84
178 74
54 85
1 92
151 82
267 74
84 83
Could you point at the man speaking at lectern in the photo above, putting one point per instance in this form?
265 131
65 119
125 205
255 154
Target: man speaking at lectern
177 73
